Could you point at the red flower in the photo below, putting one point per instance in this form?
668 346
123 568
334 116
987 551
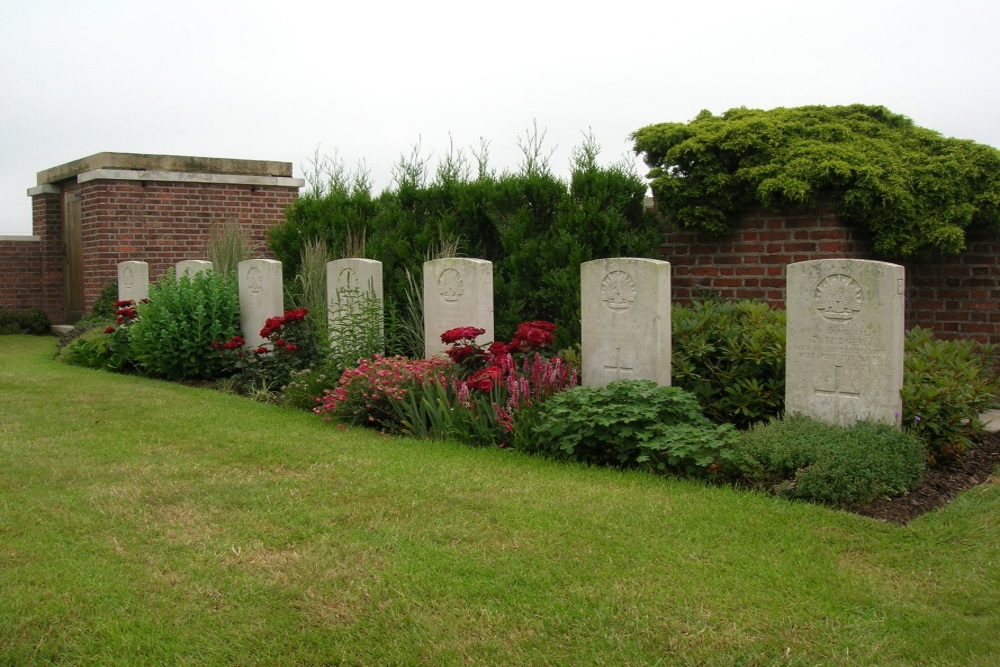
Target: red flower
485 378
280 343
290 347
216 344
498 349
261 350
109 330
531 335
234 343
463 353
296 315
461 333
124 303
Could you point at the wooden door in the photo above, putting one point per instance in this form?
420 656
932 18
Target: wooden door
73 250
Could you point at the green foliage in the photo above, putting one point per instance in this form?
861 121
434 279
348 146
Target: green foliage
33 322
535 228
731 356
308 289
368 395
802 458
104 306
356 331
173 335
305 386
947 385
110 351
632 424
227 247
915 190
289 346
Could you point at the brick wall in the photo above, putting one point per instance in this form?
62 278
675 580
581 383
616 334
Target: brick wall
163 223
21 272
959 297
955 296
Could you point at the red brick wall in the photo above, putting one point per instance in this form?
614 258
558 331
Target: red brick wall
164 223
21 274
959 297
955 296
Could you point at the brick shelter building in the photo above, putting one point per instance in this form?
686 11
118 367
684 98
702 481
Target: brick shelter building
92 213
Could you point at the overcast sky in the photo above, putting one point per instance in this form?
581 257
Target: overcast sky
367 81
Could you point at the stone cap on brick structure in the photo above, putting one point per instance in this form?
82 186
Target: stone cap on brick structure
138 162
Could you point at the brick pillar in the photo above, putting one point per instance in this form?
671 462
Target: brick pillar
47 225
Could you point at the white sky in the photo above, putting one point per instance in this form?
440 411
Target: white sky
275 80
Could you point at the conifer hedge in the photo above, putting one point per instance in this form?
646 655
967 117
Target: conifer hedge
535 227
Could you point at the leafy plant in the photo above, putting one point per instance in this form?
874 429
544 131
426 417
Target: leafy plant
947 385
799 457
731 356
915 190
305 387
365 395
357 327
291 347
111 351
105 305
632 424
172 337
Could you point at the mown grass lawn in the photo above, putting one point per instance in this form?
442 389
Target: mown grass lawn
150 523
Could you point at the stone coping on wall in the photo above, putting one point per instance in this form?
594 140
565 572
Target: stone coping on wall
26 239
186 177
172 177
165 163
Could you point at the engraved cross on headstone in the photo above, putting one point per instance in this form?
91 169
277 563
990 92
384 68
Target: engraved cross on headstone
838 394
618 369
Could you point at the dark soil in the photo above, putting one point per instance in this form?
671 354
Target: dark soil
941 484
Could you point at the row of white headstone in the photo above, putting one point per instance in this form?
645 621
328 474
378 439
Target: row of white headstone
845 330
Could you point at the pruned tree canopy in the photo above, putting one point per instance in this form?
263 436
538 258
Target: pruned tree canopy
917 191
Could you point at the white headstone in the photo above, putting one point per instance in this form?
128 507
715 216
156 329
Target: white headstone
189 267
133 281
844 359
353 286
625 326
261 296
458 292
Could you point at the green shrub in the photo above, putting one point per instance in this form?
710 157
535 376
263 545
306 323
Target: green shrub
173 335
731 356
803 458
632 424
916 191
104 306
33 322
947 385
